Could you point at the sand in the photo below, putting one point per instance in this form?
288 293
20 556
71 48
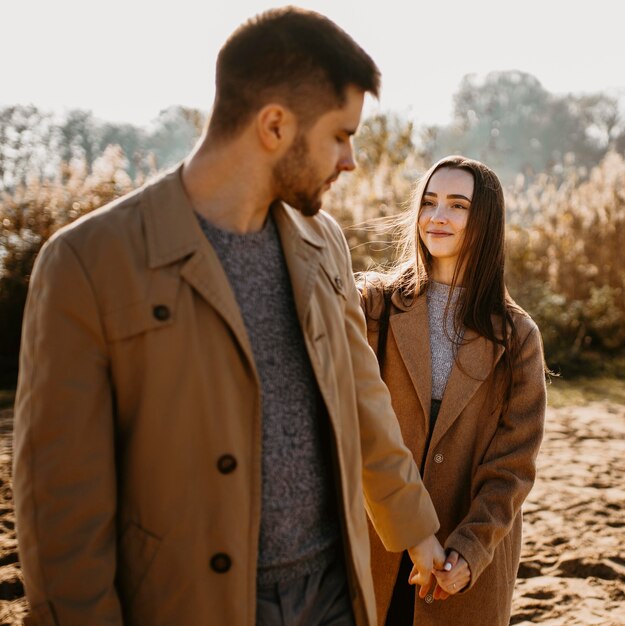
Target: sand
573 563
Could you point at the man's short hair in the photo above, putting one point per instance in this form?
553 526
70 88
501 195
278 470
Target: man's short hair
288 55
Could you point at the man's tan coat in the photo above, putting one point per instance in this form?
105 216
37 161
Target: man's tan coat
136 382
481 461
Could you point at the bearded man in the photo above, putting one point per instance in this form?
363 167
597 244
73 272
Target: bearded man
200 423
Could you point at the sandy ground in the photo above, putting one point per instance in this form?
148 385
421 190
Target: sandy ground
573 565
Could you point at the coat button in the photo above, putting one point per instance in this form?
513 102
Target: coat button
226 464
161 312
339 283
438 458
429 598
221 563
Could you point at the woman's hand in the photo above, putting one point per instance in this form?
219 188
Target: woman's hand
452 578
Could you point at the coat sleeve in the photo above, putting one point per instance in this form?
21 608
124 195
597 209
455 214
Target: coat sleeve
397 502
64 458
506 474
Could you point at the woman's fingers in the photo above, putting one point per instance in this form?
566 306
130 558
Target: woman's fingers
451 560
455 574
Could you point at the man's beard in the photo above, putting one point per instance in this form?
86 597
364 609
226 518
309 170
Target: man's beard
293 177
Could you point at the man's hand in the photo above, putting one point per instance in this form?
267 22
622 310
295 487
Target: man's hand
426 556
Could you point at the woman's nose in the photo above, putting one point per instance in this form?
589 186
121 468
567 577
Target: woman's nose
439 215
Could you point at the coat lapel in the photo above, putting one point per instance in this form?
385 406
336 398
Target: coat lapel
476 359
204 272
411 331
173 234
303 250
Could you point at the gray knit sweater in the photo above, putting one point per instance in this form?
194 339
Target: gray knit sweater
442 347
299 525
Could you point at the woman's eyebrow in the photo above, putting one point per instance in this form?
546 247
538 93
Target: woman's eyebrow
451 196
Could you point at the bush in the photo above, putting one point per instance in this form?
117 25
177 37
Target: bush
566 264
565 238
29 216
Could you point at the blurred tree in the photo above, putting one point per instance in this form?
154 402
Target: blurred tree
34 143
25 133
601 117
133 143
77 137
511 122
173 134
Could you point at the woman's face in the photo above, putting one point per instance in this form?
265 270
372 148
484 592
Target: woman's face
444 214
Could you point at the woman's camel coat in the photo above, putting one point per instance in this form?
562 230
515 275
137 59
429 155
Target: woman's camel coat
480 465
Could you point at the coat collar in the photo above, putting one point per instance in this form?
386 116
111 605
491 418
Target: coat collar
475 361
411 330
171 226
303 251
173 234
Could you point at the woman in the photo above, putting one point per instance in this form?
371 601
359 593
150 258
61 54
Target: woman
469 397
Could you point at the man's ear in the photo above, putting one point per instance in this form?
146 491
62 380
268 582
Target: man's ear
276 127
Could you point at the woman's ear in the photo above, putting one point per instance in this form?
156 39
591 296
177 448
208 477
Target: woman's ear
276 127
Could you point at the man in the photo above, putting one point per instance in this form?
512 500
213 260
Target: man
198 411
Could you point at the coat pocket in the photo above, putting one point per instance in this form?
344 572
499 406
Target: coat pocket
136 552
157 310
334 277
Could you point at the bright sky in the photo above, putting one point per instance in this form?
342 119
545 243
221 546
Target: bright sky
128 59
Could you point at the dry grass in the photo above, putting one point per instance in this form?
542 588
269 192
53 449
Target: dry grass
582 391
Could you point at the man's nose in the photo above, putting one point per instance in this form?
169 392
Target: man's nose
347 162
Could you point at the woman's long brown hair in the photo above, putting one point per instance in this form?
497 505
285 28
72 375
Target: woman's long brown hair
481 263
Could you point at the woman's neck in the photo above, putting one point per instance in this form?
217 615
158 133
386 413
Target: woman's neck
443 272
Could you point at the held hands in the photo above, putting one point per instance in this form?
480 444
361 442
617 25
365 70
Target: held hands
426 556
449 578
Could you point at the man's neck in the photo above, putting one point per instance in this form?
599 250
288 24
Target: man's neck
228 188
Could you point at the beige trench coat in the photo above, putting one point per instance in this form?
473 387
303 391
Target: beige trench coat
480 465
137 426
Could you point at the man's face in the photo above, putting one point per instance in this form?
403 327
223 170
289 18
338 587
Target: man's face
316 157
